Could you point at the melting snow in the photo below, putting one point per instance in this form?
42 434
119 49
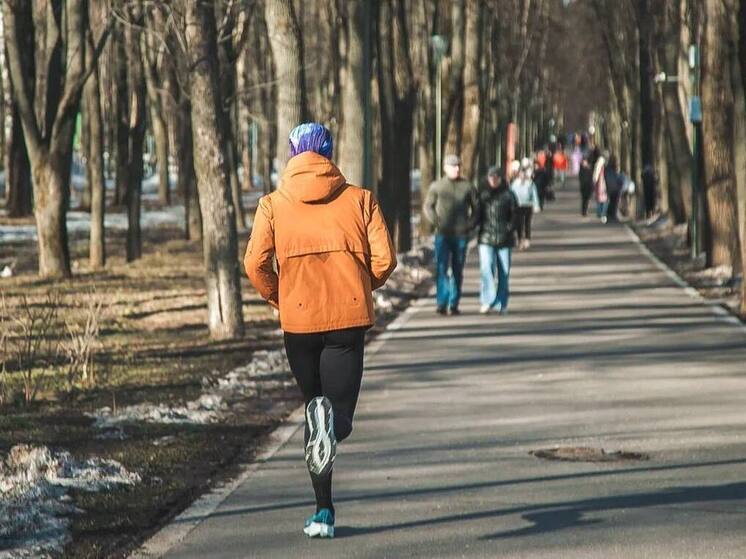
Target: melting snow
35 508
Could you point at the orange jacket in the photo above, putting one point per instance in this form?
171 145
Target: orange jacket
331 244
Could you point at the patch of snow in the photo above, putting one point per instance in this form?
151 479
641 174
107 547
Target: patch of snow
215 401
80 222
35 508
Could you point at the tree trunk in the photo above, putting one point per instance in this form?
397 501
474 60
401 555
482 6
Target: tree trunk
647 101
20 202
740 139
287 52
472 90
187 181
351 148
48 110
718 132
220 247
397 101
95 167
136 134
122 118
160 135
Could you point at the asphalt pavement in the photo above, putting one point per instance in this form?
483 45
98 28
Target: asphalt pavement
602 349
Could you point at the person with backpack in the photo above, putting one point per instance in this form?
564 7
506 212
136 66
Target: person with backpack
332 249
496 215
450 206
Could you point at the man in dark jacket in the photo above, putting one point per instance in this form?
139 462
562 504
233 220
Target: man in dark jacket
585 177
496 213
451 207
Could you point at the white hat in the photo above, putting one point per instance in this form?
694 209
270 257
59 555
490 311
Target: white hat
526 163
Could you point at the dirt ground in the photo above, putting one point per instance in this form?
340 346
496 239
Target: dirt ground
153 348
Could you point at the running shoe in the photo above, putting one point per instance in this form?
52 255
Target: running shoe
322 444
320 525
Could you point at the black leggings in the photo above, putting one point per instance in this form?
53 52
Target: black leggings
328 364
525 213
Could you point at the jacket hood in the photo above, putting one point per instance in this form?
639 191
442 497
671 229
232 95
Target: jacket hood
310 177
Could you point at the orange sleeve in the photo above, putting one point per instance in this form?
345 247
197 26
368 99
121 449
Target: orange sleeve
260 253
382 253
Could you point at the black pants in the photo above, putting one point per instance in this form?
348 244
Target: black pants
328 364
585 198
525 214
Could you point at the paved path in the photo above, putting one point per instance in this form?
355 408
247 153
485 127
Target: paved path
601 349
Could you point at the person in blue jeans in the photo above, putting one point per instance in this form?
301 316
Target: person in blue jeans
450 205
496 218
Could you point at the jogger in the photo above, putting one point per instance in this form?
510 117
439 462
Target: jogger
332 249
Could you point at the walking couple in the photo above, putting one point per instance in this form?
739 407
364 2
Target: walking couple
457 210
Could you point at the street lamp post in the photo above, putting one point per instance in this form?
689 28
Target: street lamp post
440 45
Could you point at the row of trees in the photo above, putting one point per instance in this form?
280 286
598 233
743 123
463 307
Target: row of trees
218 84
654 75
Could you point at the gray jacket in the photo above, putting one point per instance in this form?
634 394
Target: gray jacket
451 206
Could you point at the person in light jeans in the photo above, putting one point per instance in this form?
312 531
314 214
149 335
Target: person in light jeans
496 216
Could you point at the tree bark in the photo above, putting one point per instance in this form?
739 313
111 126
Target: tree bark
121 104
354 91
220 247
48 110
95 166
472 91
20 201
397 95
718 132
287 52
187 180
136 132
647 102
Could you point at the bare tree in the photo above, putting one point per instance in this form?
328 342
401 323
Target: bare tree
59 68
287 52
95 132
397 94
717 127
355 88
220 247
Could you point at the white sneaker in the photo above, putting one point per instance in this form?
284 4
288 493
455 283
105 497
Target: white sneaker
485 309
604 219
322 444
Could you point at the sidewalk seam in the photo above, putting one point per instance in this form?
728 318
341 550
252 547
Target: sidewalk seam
721 314
173 533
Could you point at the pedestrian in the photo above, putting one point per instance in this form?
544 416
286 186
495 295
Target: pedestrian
528 203
541 180
496 217
450 206
585 177
599 185
559 163
332 249
613 181
649 188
